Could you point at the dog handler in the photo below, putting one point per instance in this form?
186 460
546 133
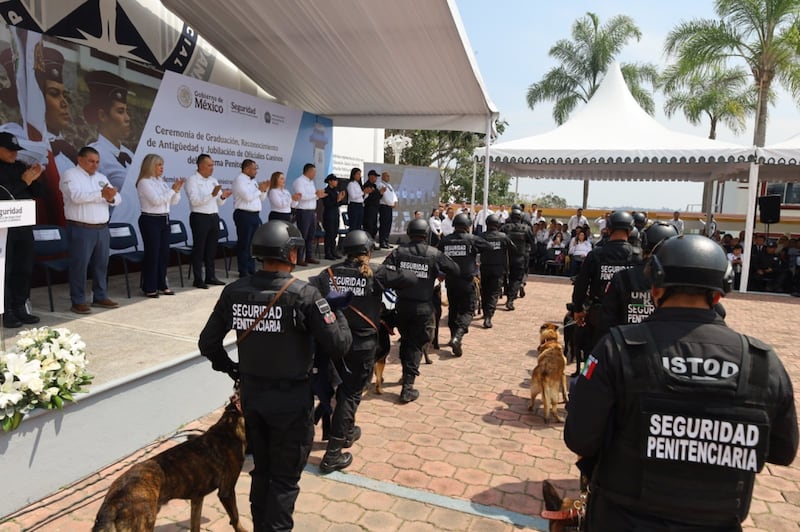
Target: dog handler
415 303
494 266
367 283
277 319
673 417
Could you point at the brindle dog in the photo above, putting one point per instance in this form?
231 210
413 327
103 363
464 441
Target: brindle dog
190 470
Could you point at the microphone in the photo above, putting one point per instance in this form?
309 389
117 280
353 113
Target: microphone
8 192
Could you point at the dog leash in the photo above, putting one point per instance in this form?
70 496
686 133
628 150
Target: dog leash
260 317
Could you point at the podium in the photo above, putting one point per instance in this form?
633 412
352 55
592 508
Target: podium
13 213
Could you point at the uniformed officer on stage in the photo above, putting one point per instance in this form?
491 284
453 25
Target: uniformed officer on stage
594 276
278 319
521 235
415 304
674 417
494 266
367 283
463 247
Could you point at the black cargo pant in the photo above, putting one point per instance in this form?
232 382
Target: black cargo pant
517 268
413 318
461 304
280 432
355 370
491 287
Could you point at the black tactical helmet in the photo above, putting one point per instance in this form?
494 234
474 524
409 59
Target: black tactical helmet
620 220
357 242
275 239
640 219
417 228
493 221
461 221
516 206
690 260
633 237
516 214
656 233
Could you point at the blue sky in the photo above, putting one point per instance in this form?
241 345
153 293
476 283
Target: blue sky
510 40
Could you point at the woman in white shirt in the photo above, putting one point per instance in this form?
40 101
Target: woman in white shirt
578 249
436 227
280 199
355 200
155 199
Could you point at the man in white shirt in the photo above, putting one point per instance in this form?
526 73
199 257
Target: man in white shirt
575 221
355 200
676 222
447 223
248 194
479 225
388 203
205 196
502 214
87 198
306 211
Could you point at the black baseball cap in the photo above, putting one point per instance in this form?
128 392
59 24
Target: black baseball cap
372 172
330 178
9 141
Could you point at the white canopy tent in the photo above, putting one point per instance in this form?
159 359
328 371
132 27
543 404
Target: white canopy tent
613 139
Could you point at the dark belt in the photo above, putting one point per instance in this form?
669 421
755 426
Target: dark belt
249 212
155 214
88 226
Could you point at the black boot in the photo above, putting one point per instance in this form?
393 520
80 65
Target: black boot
510 304
355 435
457 351
487 321
522 291
25 317
10 320
334 458
408 393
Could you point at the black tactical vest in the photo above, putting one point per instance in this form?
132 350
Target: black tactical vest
614 256
366 296
636 295
278 347
498 254
459 247
419 259
686 448
518 234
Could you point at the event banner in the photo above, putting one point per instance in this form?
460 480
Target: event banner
57 96
416 187
190 117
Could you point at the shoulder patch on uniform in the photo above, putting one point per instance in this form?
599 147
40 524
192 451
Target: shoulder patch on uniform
322 306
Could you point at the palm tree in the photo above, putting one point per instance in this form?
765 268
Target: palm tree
763 33
720 94
585 59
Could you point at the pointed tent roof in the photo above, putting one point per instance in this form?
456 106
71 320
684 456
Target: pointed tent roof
613 138
785 152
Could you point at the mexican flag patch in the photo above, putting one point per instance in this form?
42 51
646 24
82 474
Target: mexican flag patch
588 367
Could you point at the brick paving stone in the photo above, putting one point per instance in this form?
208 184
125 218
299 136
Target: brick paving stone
775 523
485 451
454 446
343 512
344 527
405 461
425 440
418 526
449 487
475 438
430 453
379 471
374 500
407 510
473 476
438 469
380 521
496 467
449 519
412 478
316 522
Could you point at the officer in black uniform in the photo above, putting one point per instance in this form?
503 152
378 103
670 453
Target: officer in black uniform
494 266
627 298
520 234
277 318
463 247
367 283
673 417
18 182
330 215
415 304
594 276
372 202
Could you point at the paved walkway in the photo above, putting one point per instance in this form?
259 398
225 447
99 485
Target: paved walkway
468 455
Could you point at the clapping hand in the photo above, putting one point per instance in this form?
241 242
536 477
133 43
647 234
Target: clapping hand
297 196
108 192
340 197
32 173
263 186
226 193
322 194
178 184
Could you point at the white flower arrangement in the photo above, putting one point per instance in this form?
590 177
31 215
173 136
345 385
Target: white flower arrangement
43 370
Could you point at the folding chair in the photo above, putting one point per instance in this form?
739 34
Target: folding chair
179 243
226 244
123 237
49 243
554 261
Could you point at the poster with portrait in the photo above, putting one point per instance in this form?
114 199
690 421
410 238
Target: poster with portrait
416 188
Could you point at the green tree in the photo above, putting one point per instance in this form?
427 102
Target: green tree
551 201
584 60
719 94
762 33
452 153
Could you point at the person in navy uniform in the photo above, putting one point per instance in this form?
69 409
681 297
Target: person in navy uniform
277 314
673 417
330 215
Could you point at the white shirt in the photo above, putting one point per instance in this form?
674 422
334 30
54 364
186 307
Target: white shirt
389 197
677 224
280 200
542 236
575 222
480 218
155 195
436 225
601 222
580 249
246 194
447 226
305 186
198 190
109 161
83 200
355 194
503 216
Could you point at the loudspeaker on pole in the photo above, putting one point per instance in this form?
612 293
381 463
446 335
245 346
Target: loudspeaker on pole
769 208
